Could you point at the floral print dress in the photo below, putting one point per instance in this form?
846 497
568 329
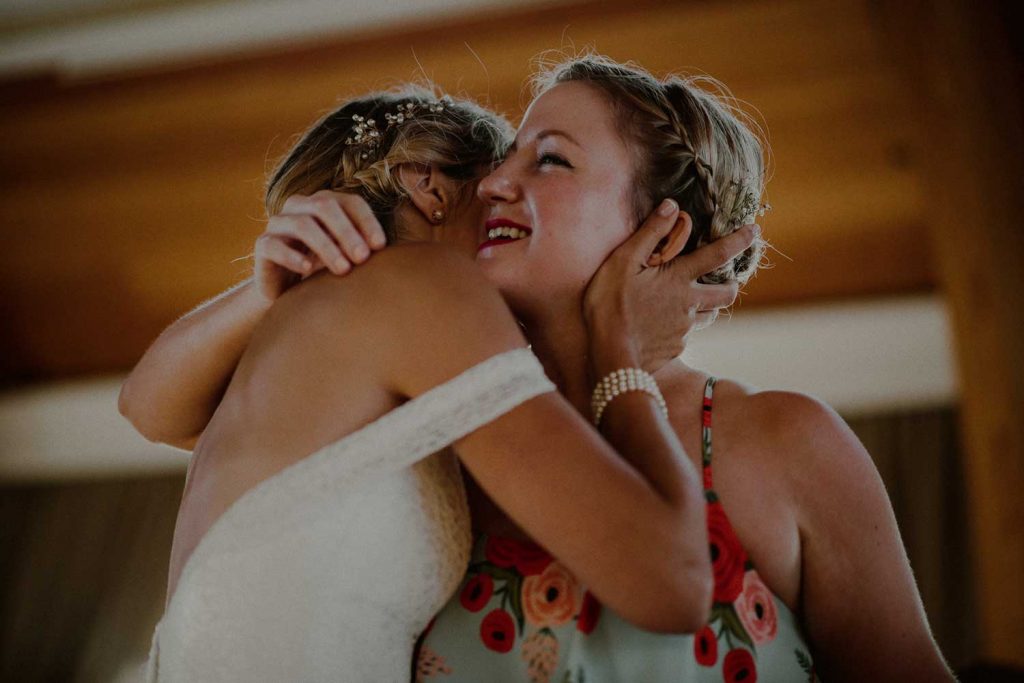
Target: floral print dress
520 615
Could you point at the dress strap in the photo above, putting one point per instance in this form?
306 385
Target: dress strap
705 432
446 413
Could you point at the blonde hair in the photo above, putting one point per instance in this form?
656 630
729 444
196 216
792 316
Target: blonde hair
460 139
691 144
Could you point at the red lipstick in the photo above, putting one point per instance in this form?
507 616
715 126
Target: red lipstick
502 223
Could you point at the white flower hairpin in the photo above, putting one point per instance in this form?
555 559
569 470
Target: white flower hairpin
365 133
745 206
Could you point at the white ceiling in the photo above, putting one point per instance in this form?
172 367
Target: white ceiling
90 37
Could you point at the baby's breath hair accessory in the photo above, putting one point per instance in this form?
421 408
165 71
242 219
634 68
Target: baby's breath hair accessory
368 136
619 382
365 135
745 207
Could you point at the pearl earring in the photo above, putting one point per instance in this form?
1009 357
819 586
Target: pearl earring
437 216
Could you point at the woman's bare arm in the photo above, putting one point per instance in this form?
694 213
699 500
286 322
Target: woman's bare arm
173 391
427 314
860 605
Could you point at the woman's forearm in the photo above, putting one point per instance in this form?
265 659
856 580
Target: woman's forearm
630 423
634 425
173 391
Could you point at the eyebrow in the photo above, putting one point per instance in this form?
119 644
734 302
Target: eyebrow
546 133
550 131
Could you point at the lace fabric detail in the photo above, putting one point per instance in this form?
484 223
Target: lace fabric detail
377 529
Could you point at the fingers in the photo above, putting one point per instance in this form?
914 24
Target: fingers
720 252
349 219
704 319
337 223
364 220
275 249
309 232
345 218
675 242
714 297
655 228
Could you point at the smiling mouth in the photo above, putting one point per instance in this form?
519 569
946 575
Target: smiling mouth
505 234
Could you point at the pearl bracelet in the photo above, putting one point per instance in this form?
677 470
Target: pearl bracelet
619 382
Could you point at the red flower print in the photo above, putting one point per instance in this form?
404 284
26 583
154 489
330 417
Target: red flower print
501 552
705 647
528 558
590 612
497 631
727 555
739 667
532 559
756 609
477 592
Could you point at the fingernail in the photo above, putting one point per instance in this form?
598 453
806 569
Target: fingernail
667 208
341 265
361 251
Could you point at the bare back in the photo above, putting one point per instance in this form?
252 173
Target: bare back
292 393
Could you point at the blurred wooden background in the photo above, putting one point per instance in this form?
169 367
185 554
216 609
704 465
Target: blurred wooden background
127 197
125 200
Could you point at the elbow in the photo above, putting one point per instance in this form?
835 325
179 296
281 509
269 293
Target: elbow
126 405
693 600
686 607
686 578
132 411
149 426
671 584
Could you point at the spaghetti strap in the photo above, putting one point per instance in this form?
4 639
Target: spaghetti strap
705 432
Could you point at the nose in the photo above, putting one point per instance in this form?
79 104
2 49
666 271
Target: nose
498 186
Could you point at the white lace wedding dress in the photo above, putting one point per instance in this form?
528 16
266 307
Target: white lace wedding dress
329 570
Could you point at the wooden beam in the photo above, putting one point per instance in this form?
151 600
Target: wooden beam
964 81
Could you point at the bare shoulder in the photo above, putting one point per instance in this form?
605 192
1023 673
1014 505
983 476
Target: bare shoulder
808 444
798 422
407 288
423 311
433 270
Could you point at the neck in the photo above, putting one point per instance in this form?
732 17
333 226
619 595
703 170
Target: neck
559 339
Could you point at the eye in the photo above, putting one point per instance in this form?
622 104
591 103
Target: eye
551 158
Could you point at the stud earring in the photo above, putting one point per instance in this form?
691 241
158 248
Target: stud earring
437 216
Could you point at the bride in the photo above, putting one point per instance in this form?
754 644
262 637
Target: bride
323 522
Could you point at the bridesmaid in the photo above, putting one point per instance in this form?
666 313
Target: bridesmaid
811 576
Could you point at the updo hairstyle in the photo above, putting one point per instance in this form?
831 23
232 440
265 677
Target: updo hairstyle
454 135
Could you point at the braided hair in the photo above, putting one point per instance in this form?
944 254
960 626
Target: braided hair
458 137
690 144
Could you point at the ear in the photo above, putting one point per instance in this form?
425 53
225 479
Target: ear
427 189
672 244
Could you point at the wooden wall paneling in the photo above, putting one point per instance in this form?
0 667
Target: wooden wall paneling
125 200
85 576
965 82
